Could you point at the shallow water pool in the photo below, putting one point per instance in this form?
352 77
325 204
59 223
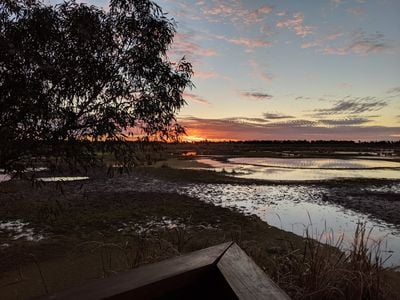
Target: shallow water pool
305 169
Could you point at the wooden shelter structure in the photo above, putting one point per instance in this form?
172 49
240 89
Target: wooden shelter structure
219 272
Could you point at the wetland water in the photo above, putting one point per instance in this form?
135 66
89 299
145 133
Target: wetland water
294 207
291 207
304 169
300 207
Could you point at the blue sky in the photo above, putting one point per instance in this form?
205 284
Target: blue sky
290 69
305 69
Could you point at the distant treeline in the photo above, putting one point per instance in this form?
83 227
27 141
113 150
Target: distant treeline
302 142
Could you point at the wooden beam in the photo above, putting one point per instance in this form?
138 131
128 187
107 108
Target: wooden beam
185 268
246 279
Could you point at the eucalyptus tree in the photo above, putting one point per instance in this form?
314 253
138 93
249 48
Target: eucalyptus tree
73 77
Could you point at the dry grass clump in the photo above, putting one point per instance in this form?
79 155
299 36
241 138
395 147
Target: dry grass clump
325 269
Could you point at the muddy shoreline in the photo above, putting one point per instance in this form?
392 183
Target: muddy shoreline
383 205
378 198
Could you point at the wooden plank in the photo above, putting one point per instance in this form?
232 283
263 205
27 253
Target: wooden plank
246 279
165 276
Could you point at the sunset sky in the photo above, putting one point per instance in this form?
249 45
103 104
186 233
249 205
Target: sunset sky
290 69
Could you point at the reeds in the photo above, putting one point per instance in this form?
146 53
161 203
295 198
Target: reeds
327 269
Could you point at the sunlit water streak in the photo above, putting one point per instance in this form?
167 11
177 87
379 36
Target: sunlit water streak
297 209
293 169
6 177
62 178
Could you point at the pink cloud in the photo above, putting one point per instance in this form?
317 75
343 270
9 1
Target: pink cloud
336 2
258 14
233 11
356 42
312 44
184 45
196 98
204 75
296 24
259 72
334 36
360 43
222 8
249 42
357 12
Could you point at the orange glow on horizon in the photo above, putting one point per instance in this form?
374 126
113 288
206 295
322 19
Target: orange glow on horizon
198 135
194 138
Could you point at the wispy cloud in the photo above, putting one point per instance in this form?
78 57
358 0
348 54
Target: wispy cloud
249 43
293 123
204 75
296 24
196 98
247 120
222 9
356 42
258 71
356 11
303 98
395 90
323 40
336 2
360 43
346 121
256 95
354 105
184 45
233 11
258 14
276 116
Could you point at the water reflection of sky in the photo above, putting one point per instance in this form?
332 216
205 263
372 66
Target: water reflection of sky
4 177
62 178
316 163
297 209
305 169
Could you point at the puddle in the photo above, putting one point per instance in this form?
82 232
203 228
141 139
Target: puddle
19 230
7 177
62 179
4 177
189 153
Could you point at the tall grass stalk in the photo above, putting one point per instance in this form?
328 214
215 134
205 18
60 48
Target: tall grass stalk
326 269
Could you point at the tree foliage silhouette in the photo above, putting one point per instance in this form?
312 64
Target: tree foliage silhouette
71 74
